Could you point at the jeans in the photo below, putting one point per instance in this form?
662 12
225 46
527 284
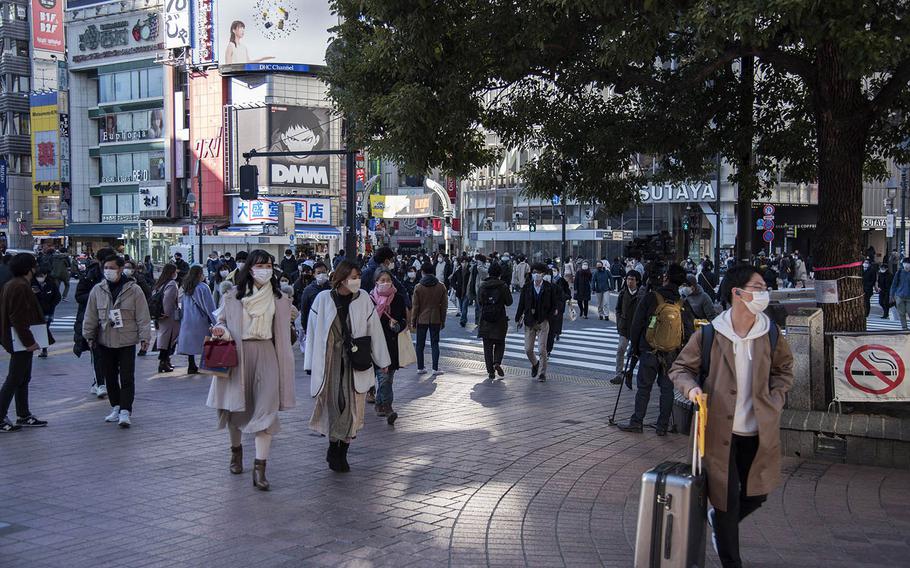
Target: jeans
422 343
739 503
493 351
537 334
465 302
621 353
384 393
903 308
16 384
119 366
652 368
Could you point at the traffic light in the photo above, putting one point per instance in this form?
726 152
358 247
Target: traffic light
249 182
685 224
532 224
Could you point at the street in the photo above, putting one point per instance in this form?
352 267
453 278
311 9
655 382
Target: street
474 473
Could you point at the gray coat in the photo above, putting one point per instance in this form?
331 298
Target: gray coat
701 304
134 311
168 327
197 319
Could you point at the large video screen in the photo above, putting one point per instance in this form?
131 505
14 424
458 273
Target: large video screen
273 35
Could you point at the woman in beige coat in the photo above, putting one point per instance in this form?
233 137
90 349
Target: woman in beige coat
746 386
257 316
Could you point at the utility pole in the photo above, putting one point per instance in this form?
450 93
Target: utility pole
905 173
350 235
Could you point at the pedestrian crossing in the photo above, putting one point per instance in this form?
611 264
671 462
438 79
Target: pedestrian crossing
66 323
587 348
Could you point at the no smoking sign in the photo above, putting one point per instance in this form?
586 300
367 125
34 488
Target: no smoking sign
875 370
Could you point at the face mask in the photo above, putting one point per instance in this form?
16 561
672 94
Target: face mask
537 277
760 301
240 265
322 278
399 258
685 291
111 275
438 259
41 280
547 277
505 259
412 275
353 285
865 265
224 273
584 266
127 271
883 269
287 256
262 275
284 282
384 287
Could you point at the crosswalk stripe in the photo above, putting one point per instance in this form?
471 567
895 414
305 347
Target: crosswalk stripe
554 359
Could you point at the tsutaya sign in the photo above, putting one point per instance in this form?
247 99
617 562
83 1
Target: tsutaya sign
678 192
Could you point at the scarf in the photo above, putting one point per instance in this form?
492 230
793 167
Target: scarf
383 301
260 307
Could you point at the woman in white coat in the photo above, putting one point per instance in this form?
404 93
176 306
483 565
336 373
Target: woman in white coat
337 318
257 316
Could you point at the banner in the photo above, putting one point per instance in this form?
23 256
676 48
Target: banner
47 26
153 198
276 33
176 24
204 32
312 210
871 368
46 187
299 129
4 192
115 38
401 206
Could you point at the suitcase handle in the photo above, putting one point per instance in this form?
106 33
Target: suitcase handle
696 455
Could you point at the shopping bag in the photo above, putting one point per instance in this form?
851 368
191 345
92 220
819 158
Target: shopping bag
573 310
407 355
219 357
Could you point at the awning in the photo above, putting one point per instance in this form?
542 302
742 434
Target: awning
94 230
317 232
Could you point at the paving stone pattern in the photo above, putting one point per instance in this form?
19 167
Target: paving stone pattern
512 473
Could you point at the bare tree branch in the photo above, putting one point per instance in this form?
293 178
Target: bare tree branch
891 89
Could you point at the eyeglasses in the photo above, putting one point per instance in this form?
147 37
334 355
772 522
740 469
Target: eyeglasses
756 287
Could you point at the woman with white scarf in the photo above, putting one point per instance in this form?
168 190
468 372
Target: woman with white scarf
257 316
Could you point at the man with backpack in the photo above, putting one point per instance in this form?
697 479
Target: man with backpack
61 269
494 295
535 307
661 326
746 367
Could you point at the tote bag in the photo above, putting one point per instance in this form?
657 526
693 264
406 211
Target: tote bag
407 355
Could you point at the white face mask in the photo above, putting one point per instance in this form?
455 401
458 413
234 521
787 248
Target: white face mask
284 282
322 278
412 275
240 265
547 277
41 279
224 273
865 265
760 301
584 266
907 266
537 277
685 291
262 275
111 275
127 271
353 285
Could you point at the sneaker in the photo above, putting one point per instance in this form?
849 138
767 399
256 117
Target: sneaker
43 354
421 371
94 390
437 372
534 368
114 415
630 427
711 516
499 371
102 391
7 426
542 378
124 421
31 422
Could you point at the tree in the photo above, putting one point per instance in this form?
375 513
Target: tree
596 84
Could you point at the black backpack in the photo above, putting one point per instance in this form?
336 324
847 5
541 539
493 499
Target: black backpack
491 309
156 304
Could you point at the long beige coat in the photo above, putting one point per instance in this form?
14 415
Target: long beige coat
228 394
772 377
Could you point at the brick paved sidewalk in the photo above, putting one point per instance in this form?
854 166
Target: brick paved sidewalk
473 474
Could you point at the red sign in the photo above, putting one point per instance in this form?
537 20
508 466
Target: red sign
452 188
456 225
880 375
361 175
47 26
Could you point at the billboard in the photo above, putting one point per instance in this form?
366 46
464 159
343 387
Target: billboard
273 35
47 26
299 129
46 186
115 38
312 210
203 32
176 23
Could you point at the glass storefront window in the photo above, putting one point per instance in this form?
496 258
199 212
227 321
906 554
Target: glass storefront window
131 85
132 167
131 126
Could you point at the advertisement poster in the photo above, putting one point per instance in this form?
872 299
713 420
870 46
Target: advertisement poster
47 26
4 192
46 188
312 210
116 38
273 32
176 23
299 129
204 36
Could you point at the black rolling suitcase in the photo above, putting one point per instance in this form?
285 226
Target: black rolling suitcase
672 514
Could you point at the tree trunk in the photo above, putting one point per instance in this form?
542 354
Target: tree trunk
748 181
843 126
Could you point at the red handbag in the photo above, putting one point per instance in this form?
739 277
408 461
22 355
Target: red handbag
219 354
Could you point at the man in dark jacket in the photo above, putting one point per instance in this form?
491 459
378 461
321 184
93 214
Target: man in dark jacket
288 266
213 266
182 267
19 313
655 363
870 278
535 307
626 305
429 315
93 275
320 282
884 287
494 295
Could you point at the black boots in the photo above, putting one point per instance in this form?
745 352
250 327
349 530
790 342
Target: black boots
236 460
192 369
259 480
337 456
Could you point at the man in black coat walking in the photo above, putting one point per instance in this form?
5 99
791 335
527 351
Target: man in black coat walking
535 306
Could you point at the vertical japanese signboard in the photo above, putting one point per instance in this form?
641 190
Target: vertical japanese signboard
47 26
176 24
46 186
